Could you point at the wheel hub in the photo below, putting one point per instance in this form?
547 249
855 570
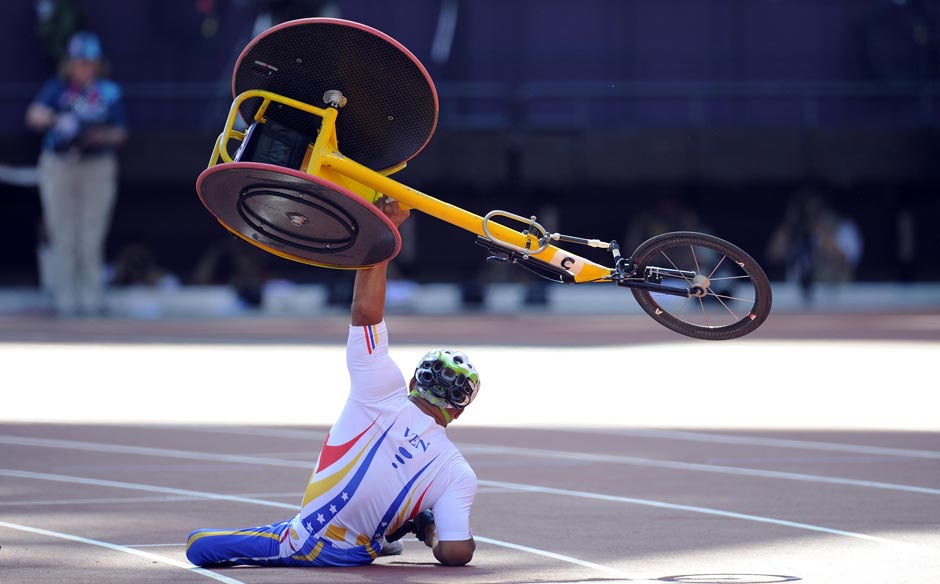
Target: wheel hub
700 285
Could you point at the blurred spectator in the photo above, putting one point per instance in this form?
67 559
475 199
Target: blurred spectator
82 117
840 248
906 243
233 262
136 265
814 243
667 213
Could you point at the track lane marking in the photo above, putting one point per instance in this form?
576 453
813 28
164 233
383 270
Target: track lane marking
23 474
123 549
563 558
246 500
121 500
680 435
516 486
149 451
693 466
478 448
761 441
706 511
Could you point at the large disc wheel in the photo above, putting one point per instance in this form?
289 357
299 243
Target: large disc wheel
728 294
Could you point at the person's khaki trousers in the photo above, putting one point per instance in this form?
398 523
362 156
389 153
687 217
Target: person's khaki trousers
77 197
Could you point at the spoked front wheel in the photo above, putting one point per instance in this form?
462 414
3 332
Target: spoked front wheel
728 294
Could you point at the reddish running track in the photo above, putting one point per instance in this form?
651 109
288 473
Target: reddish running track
109 503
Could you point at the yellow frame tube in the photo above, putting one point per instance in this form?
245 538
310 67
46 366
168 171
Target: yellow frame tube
324 154
229 133
583 270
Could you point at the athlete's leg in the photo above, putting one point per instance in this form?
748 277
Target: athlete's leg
257 546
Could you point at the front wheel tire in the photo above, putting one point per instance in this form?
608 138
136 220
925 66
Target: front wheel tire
729 293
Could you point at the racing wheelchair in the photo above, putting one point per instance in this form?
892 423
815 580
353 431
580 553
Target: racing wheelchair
299 180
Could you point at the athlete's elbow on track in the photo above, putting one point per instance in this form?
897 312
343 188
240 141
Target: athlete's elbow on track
455 553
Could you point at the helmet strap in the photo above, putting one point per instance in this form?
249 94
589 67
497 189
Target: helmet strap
447 417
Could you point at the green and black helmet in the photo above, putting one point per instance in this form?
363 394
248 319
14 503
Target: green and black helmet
447 379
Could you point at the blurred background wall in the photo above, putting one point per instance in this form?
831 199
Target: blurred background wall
614 119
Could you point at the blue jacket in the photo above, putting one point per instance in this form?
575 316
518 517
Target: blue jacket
99 104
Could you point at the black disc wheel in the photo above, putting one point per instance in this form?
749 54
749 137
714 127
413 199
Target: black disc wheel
721 292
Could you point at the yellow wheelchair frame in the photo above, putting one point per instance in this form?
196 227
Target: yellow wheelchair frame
324 159
652 272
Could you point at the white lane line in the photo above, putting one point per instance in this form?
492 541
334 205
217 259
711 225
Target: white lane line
692 466
563 558
22 474
147 451
287 433
246 500
124 549
706 511
120 500
643 433
101 501
761 441
478 448
498 484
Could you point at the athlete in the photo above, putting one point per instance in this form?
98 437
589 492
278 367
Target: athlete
387 467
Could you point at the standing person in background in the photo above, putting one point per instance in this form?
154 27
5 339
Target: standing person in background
82 117
815 243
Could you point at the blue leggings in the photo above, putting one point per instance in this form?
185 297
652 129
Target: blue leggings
260 546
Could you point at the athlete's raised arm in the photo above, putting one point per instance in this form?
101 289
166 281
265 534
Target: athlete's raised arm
368 304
